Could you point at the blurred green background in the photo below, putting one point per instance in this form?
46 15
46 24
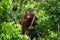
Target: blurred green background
48 12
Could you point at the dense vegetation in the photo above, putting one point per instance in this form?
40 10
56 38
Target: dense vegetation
48 21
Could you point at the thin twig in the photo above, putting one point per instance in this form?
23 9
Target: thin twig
32 22
58 32
12 14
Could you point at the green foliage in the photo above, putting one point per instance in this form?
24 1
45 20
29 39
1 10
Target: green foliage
48 13
5 5
11 31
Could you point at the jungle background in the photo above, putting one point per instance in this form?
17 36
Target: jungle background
11 12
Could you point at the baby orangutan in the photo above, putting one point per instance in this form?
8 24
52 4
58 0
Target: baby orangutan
27 19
